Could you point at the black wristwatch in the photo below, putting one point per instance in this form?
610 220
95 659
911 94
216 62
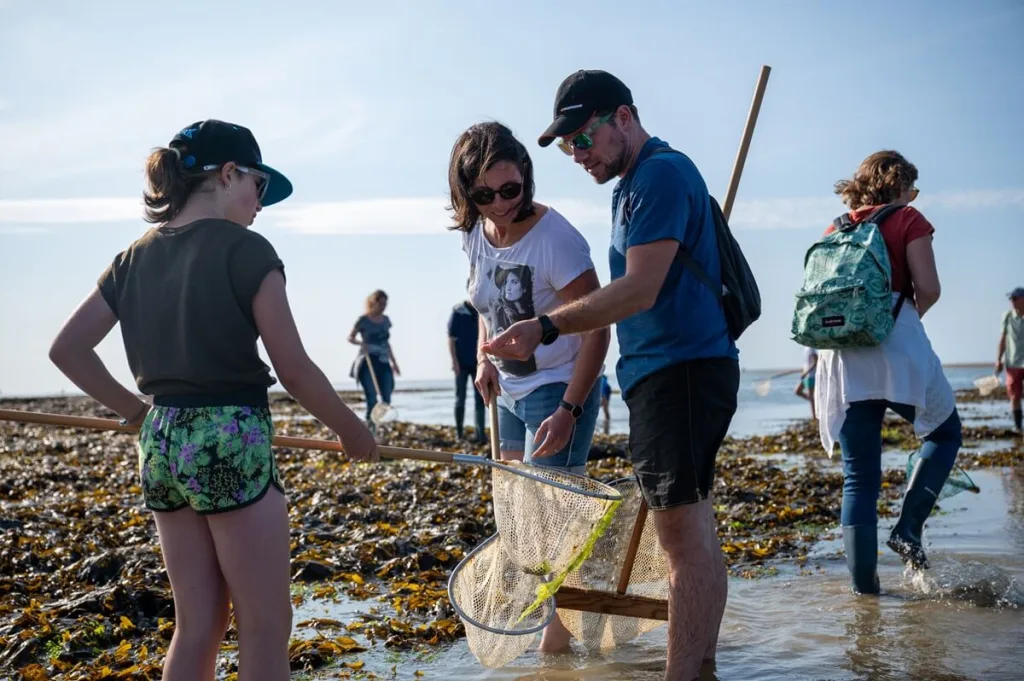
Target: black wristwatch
575 410
549 334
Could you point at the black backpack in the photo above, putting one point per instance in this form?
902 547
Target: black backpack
739 295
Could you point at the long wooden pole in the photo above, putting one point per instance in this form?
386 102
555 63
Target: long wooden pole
495 436
734 182
279 440
748 133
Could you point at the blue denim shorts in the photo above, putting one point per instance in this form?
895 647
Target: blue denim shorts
518 421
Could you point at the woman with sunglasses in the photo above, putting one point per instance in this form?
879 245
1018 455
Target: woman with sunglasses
192 296
855 387
525 259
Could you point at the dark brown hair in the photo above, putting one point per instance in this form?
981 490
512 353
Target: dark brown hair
474 153
881 178
169 184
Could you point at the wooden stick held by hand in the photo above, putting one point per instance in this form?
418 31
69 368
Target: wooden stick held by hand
279 440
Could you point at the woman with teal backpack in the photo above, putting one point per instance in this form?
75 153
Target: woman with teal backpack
857 383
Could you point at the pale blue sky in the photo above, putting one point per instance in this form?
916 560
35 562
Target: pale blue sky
359 104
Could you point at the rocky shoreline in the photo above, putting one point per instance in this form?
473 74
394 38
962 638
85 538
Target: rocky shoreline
84 594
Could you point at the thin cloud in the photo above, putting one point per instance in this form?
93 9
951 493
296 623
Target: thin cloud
39 212
428 215
35 145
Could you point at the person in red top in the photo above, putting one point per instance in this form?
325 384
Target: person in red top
903 226
856 386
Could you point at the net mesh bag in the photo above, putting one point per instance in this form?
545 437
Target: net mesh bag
549 520
600 572
490 593
958 480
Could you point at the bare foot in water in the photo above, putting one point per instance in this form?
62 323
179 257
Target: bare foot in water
556 638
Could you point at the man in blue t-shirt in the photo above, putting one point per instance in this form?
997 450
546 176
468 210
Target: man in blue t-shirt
463 330
679 368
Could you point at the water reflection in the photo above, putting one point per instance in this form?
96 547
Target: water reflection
963 619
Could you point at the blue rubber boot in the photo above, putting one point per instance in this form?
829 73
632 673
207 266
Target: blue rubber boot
926 482
861 542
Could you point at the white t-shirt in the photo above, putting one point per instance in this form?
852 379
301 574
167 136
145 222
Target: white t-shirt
507 285
903 369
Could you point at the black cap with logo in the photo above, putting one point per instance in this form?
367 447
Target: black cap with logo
579 97
212 143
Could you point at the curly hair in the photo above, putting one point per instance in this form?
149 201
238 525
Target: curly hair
881 178
474 153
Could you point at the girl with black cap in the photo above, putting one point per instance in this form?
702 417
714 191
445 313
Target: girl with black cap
192 296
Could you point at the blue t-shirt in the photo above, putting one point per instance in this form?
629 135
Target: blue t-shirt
463 327
666 198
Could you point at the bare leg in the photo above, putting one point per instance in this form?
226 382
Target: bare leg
810 398
254 554
697 586
200 596
556 638
721 590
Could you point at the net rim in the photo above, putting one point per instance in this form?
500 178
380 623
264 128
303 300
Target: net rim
466 618
611 495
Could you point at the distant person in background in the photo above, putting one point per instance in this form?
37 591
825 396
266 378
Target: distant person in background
1011 353
858 385
463 332
374 330
606 396
805 388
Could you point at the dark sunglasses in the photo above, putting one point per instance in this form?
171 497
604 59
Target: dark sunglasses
483 196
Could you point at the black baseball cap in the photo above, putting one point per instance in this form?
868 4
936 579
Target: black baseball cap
214 143
1016 293
579 97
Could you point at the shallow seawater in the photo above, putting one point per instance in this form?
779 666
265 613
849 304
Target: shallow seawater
963 619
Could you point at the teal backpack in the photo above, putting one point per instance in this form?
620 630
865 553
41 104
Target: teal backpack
846 298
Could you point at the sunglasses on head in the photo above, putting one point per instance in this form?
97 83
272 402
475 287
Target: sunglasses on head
262 178
583 140
483 196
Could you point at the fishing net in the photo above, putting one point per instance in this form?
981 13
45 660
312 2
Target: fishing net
383 412
958 480
490 594
548 521
601 571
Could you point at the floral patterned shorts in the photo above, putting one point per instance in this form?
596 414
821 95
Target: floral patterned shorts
212 459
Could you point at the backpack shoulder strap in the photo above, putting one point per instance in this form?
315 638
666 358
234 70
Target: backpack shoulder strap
681 255
880 214
843 223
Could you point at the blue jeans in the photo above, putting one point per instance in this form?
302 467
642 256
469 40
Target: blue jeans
518 421
861 443
385 378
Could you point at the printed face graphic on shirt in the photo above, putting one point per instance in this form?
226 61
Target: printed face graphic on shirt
510 301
